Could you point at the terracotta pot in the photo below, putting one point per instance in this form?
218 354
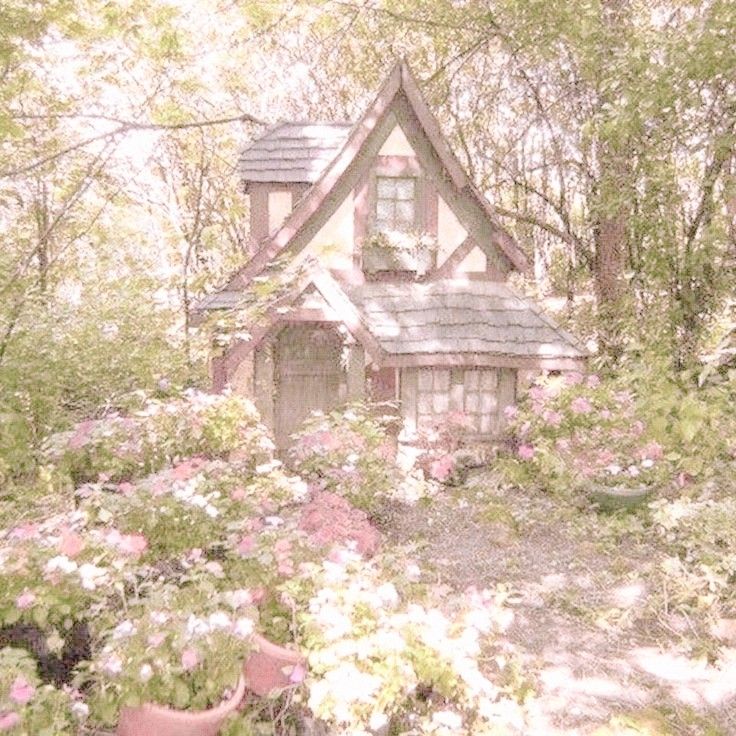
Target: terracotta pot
159 720
269 666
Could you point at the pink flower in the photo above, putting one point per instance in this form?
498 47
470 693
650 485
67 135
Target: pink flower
133 544
189 659
298 674
81 435
238 494
651 451
71 544
246 545
511 412
573 378
25 600
282 545
9 720
593 381
157 639
525 452
25 532
21 691
581 405
538 393
440 469
553 418
126 488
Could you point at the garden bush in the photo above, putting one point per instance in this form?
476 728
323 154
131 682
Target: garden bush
349 452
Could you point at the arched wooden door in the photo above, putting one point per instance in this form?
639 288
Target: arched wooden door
309 375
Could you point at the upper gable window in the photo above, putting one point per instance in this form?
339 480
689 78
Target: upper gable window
396 204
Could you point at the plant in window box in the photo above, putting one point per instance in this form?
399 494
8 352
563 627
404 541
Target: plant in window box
399 251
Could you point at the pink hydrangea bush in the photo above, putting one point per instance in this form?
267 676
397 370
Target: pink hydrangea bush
330 519
350 453
122 448
29 707
443 457
574 432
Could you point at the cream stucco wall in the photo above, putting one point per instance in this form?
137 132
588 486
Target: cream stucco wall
279 207
474 262
396 144
334 243
450 233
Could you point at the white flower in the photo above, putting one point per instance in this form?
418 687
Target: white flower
60 563
123 629
633 471
197 626
113 665
159 617
92 576
377 721
80 710
613 469
243 628
447 718
219 620
199 501
145 672
274 520
647 463
211 511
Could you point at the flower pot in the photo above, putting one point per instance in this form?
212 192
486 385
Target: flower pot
159 720
620 497
270 667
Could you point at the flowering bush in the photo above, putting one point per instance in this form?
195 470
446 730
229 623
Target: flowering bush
28 708
348 452
58 571
372 651
573 432
441 458
121 448
182 648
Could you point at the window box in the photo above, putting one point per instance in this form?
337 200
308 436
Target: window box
399 252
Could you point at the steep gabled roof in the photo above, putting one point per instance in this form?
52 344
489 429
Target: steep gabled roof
299 226
293 152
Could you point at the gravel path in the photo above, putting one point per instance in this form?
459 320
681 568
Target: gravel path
584 631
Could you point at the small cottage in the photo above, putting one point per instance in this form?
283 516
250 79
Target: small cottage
379 271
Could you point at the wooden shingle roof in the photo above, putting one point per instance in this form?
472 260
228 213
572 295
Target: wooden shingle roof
448 317
293 152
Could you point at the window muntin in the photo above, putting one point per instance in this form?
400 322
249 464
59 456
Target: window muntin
396 204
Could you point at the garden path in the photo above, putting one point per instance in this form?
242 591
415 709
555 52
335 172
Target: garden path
591 640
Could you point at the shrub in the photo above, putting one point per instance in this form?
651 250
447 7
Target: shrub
123 448
348 452
575 433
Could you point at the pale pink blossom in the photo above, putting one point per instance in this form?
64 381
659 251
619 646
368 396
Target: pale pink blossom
511 412
126 488
25 600
651 451
21 691
9 720
189 659
133 544
71 543
593 381
538 393
525 452
24 532
573 378
442 468
298 674
553 418
238 494
156 639
246 545
581 405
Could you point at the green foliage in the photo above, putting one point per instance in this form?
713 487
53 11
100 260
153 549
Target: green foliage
349 452
40 710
